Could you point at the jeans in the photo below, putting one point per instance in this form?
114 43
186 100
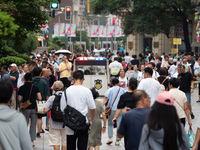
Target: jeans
188 95
110 125
81 143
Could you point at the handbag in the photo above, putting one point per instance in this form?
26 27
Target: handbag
191 137
40 106
27 103
108 109
74 120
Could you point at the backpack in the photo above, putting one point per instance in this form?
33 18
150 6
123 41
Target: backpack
162 87
56 113
74 120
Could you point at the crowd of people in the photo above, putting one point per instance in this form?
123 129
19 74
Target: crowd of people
149 101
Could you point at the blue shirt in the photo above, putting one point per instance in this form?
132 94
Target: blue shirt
16 75
131 127
111 94
6 76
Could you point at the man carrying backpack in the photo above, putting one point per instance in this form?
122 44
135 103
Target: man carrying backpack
79 98
57 134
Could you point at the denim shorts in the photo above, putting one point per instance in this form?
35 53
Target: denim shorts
188 95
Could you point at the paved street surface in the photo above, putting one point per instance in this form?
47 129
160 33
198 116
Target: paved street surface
42 143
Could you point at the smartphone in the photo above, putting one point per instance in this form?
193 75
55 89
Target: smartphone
115 123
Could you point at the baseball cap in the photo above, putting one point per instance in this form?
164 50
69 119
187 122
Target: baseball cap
58 85
165 98
175 60
13 65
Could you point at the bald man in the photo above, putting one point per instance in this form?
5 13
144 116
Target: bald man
45 75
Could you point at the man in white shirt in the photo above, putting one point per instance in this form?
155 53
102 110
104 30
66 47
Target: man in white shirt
115 68
127 58
20 80
155 73
173 68
149 85
80 98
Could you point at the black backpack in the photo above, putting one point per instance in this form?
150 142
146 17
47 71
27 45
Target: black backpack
73 119
56 113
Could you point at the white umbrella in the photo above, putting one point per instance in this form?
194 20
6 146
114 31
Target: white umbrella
63 51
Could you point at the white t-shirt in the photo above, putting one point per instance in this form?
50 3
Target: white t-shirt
172 70
151 86
140 75
123 83
115 67
155 74
128 59
20 80
180 100
80 98
196 68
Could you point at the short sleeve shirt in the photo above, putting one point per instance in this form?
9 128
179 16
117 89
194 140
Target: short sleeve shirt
65 73
126 100
185 81
25 90
16 75
131 126
111 94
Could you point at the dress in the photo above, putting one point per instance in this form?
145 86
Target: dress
95 132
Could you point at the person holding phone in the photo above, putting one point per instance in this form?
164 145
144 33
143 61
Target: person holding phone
65 71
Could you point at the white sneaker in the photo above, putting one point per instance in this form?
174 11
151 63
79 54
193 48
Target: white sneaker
117 143
109 141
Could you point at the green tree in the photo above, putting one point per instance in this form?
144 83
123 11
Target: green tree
56 43
7 27
7 31
29 15
149 16
84 38
78 48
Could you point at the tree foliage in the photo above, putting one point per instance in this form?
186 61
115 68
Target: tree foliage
28 15
149 16
56 43
7 26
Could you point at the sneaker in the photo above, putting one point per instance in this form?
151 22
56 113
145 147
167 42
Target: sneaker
192 116
117 143
38 135
109 141
198 101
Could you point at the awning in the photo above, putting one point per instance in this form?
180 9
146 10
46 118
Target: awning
195 44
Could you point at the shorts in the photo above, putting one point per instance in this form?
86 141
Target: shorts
41 115
57 137
188 95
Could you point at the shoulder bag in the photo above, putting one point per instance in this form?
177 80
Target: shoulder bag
74 120
27 103
108 109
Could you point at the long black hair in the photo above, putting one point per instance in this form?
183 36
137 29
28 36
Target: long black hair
165 117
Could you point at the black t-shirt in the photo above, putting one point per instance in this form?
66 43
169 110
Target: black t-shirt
161 79
24 91
185 81
126 101
158 66
135 62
